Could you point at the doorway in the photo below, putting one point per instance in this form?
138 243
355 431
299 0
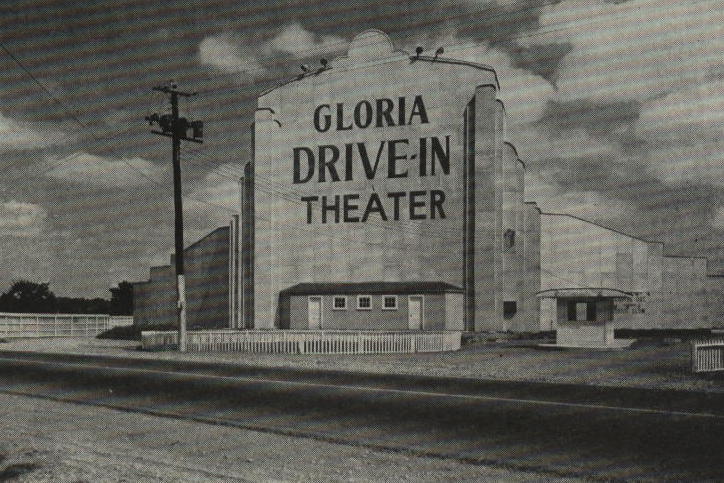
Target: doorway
414 312
315 312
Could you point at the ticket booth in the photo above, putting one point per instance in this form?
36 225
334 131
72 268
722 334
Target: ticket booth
585 317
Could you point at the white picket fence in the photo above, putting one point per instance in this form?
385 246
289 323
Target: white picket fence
58 325
307 341
707 355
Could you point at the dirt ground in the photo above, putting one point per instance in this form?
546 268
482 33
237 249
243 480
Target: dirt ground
648 364
52 441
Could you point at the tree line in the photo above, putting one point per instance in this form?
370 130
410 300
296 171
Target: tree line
31 297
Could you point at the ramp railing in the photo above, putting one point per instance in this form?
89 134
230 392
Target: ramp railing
707 355
307 341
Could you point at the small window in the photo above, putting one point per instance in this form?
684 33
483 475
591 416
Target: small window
591 311
509 309
389 302
582 311
509 238
571 311
364 302
339 303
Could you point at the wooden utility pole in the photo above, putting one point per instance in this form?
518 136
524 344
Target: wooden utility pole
177 129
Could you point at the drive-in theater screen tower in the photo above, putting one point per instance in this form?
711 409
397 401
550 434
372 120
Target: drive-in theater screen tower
387 167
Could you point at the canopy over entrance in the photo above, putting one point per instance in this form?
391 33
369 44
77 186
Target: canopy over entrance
587 292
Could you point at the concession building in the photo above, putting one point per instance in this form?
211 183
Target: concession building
382 194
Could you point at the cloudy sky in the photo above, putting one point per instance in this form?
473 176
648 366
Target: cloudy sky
616 106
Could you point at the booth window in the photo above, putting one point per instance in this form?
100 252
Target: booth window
364 302
339 303
509 309
581 311
389 302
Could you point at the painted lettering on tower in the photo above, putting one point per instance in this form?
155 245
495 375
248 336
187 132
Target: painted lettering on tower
388 158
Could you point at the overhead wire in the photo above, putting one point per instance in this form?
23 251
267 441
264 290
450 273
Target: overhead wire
491 41
374 41
271 186
564 25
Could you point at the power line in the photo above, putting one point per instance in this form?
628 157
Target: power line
78 121
54 165
473 43
37 81
454 46
436 21
284 192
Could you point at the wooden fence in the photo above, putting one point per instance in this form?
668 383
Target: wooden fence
306 341
57 325
707 355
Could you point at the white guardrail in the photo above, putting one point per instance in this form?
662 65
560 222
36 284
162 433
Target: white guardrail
707 355
58 325
307 341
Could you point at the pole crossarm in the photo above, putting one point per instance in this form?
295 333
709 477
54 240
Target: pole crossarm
169 135
172 90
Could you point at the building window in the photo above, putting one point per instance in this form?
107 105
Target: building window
364 302
339 303
581 311
389 302
509 238
509 309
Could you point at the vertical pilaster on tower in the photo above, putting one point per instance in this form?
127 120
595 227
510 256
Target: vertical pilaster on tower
234 276
498 321
469 217
521 315
266 130
246 247
509 235
531 267
485 132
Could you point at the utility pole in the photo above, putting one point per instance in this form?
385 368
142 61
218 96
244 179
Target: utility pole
177 129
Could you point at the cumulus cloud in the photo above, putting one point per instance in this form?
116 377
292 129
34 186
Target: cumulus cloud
295 40
16 135
217 200
696 111
684 129
523 92
588 204
103 172
541 145
645 78
638 49
19 219
228 53
698 163
233 53
219 189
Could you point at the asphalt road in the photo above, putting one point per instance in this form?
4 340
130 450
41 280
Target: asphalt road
555 428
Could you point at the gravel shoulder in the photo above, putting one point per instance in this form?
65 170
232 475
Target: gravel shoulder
53 441
649 364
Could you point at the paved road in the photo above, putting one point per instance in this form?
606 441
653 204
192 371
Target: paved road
555 428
